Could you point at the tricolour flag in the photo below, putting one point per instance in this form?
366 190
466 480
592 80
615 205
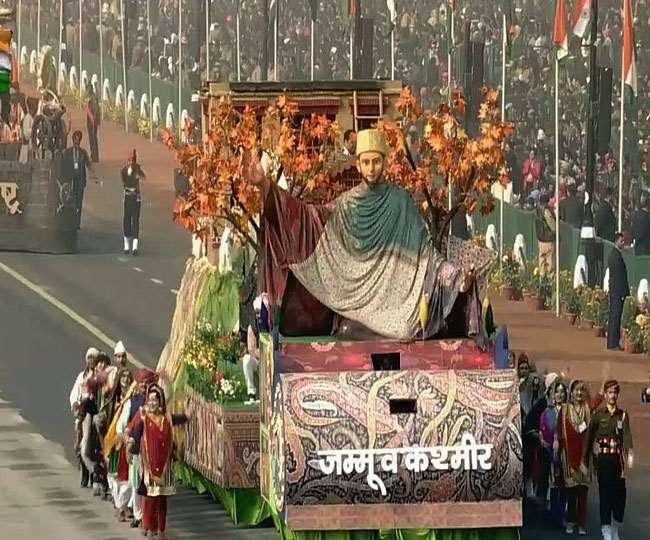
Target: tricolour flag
349 8
629 53
560 37
581 17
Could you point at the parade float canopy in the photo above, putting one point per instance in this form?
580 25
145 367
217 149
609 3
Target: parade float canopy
354 104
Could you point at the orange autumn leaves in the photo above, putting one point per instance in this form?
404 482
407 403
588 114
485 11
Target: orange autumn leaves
303 147
300 146
447 157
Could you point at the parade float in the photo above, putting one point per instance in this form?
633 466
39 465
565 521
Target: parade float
355 434
37 211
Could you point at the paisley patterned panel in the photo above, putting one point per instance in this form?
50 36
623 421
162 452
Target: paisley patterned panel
356 356
351 411
223 444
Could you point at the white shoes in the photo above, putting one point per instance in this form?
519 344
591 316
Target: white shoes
129 247
582 532
569 528
615 528
607 532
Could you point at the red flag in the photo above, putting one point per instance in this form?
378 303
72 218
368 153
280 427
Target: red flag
581 17
629 54
560 37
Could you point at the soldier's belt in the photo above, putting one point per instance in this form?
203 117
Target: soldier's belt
609 445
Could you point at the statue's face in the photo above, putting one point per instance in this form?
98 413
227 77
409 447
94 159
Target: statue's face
371 166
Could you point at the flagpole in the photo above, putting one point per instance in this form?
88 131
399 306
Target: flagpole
392 54
126 94
58 70
149 62
239 48
621 153
38 28
180 66
100 86
449 51
557 186
20 27
275 41
81 50
207 39
351 55
504 45
312 49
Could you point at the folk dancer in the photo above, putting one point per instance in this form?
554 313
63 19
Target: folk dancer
114 449
609 429
143 379
550 443
89 446
572 430
78 392
121 355
153 432
132 173
74 163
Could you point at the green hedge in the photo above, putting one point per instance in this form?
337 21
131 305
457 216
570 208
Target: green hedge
516 220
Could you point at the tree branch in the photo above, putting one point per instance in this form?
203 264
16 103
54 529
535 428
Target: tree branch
230 218
430 223
452 213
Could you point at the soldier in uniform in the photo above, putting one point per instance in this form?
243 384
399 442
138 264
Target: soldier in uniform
132 173
609 440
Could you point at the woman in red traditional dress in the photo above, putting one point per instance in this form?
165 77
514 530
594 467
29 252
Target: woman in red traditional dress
572 429
153 430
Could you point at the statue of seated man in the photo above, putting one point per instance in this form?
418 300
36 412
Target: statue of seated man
364 266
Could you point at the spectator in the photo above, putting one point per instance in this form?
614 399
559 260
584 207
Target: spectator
545 230
349 143
532 172
619 290
572 208
604 219
641 227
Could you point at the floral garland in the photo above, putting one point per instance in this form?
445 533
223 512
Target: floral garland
212 364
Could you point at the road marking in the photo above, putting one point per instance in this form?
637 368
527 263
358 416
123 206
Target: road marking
156 281
138 269
101 336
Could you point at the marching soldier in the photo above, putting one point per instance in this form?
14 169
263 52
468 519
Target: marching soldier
131 175
610 440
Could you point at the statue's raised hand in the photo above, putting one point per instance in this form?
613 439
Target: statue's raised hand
253 171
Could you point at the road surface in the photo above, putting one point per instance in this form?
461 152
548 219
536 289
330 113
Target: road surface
51 311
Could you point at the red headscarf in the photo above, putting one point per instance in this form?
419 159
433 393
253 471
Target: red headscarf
146 376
